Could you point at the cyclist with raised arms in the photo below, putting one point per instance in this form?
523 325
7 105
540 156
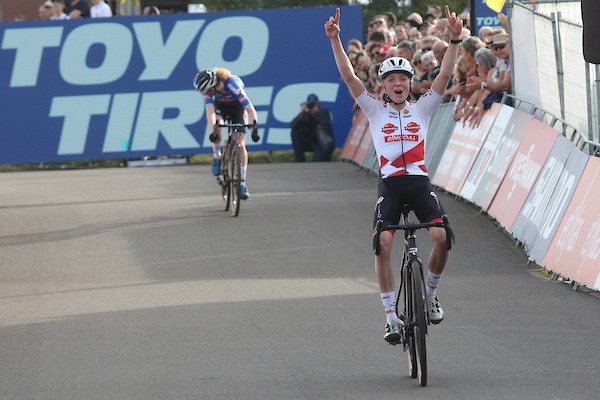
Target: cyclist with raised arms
225 98
399 130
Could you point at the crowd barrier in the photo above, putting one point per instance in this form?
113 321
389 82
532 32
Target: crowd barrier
528 176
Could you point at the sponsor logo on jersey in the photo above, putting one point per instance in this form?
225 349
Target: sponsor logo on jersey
389 128
412 127
398 138
393 114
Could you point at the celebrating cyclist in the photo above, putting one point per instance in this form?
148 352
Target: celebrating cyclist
399 130
225 98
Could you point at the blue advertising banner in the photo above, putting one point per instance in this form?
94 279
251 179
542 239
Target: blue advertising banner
485 16
122 87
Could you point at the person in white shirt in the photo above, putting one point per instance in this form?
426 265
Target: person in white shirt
100 9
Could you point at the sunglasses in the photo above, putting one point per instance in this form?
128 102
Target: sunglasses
499 46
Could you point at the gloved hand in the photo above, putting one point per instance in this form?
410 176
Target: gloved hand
255 136
213 137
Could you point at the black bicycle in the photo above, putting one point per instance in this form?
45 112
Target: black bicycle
412 290
231 168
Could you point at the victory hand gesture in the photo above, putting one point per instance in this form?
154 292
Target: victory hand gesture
332 26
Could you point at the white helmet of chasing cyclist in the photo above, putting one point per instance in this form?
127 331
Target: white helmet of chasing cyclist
395 64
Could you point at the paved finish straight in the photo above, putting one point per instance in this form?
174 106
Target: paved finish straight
134 284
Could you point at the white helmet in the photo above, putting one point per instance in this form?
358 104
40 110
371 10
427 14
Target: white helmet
395 64
204 80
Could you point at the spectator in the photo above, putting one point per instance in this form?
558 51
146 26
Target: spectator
151 10
59 10
406 49
77 9
472 110
414 34
312 130
465 68
501 50
46 11
100 9
401 34
427 43
414 20
435 9
391 20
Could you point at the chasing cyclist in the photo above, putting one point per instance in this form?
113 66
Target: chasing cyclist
399 130
225 98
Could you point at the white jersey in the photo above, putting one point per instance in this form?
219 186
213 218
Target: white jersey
400 141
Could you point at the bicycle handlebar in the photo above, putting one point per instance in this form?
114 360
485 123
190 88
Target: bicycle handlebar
379 227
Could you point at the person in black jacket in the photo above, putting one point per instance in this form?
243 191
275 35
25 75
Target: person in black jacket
312 130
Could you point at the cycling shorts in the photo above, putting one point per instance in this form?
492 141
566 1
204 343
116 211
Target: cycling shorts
231 111
414 190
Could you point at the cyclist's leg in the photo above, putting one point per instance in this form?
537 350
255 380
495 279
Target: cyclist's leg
236 113
429 208
216 167
385 210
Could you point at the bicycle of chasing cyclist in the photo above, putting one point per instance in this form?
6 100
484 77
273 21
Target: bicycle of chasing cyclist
412 290
231 169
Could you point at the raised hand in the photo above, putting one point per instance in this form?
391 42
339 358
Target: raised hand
455 24
332 26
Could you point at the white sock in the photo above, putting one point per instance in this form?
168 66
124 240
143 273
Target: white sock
216 150
433 281
389 304
244 170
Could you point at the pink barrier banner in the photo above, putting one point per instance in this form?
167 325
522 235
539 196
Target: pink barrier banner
474 179
524 170
365 143
501 159
360 125
461 152
575 249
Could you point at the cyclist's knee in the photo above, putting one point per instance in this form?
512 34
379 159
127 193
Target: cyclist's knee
438 238
386 240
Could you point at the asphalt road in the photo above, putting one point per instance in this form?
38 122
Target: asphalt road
134 284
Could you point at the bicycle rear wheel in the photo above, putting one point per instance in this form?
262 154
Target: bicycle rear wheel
420 322
224 181
236 179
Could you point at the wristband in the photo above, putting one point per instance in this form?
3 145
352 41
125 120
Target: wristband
483 85
455 41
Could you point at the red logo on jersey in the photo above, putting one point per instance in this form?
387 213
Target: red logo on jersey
389 128
413 127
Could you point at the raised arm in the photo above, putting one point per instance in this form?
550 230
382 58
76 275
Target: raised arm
449 61
332 29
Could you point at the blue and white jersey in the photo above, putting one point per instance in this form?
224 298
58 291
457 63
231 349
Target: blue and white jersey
234 91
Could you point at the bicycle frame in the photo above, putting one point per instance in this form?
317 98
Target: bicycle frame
412 290
230 177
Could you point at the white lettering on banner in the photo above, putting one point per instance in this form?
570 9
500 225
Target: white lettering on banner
77 112
254 34
488 21
523 171
29 45
567 238
591 247
120 122
118 45
151 121
502 157
563 188
534 209
160 56
168 114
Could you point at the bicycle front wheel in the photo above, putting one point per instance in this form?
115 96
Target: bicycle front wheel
236 179
409 331
224 181
420 321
